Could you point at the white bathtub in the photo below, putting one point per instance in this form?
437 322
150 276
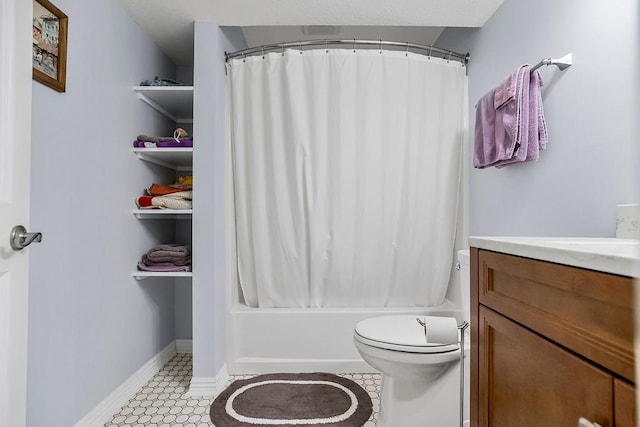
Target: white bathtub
304 340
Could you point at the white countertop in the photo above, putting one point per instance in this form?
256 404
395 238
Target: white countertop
609 255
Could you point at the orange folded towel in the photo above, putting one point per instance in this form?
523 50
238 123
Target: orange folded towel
162 190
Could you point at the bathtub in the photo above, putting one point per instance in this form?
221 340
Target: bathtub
265 340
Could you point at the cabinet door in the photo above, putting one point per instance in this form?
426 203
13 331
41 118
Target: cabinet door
589 312
624 403
527 381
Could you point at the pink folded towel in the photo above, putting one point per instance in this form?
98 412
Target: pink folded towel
510 125
165 267
507 90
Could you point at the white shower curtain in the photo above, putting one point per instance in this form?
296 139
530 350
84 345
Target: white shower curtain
346 171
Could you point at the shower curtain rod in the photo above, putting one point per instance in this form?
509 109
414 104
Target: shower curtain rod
439 52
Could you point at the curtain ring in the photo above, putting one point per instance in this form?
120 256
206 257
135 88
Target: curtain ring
406 49
380 46
300 41
263 52
354 45
244 56
326 46
449 57
429 53
282 47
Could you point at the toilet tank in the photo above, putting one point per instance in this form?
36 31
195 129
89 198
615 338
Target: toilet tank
465 283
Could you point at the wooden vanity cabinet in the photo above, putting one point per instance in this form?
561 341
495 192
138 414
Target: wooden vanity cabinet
549 344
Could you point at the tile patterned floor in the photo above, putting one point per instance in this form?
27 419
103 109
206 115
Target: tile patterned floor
162 401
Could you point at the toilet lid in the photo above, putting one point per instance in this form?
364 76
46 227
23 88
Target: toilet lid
404 333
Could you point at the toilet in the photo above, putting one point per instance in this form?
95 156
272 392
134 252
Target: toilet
420 370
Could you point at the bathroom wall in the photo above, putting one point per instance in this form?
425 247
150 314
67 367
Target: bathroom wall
91 325
592 110
209 169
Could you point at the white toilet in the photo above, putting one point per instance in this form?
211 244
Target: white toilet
421 375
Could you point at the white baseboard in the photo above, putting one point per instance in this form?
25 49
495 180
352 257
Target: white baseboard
209 386
103 412
184 346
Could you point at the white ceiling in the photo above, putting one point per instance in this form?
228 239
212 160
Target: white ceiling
261 35
170 23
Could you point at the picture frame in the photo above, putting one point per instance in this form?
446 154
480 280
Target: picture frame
49 45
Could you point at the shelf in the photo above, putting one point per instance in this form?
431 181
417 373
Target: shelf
163 213
178 159
141 275
175 102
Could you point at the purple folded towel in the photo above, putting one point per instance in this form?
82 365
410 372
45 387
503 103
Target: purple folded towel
164 144
167 259
507 90
174 143
164 267
180 134
510 125
498 119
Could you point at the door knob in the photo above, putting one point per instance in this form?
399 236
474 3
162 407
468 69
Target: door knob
20 239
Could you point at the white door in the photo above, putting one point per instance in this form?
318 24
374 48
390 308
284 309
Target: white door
15 140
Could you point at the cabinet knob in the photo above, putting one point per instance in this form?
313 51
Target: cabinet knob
583 422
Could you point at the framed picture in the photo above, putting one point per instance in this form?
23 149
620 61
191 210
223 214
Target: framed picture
49 45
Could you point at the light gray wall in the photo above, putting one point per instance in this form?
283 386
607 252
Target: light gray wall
592 110
209 169
184 74
91 325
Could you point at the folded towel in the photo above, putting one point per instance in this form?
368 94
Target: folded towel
163 202
185 180
163 267
168 253
178 135
507 90
178 200
533 127
491 143
176 260
536 87
496 131
143 144
171 249
517 125
163 190
160 82
187 143
149 138
173 143
510 125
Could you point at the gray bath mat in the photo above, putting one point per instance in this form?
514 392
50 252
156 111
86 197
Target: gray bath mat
316 399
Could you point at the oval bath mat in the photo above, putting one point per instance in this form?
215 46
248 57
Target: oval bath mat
317 399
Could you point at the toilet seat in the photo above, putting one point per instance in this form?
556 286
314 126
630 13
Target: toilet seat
403 333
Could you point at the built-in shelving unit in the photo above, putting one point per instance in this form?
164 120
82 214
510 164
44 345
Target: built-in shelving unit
175 102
